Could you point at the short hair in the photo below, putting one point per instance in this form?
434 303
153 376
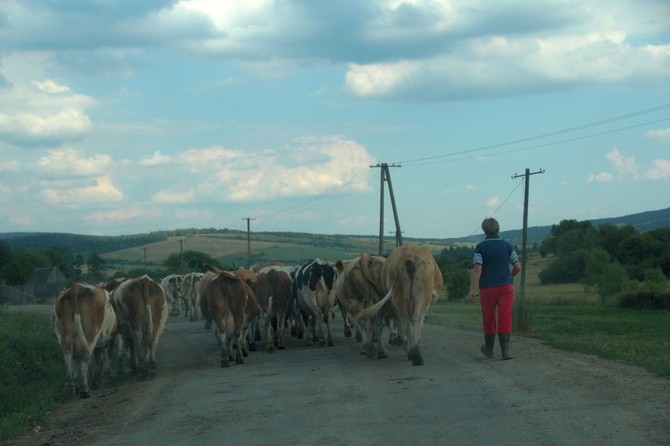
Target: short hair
490 226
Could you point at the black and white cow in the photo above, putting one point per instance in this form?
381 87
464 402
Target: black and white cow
314 297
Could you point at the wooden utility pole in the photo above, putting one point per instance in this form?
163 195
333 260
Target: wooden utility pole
524 242
248 219
386 176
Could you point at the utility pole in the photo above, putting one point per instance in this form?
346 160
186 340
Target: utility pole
248 239
386 176
524 242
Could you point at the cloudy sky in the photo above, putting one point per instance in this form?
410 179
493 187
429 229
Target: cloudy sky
123 117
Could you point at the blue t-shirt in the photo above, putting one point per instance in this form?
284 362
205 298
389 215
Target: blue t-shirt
495 255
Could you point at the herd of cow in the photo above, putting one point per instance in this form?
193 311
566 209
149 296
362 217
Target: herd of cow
103 327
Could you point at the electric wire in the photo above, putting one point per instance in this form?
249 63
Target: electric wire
318 200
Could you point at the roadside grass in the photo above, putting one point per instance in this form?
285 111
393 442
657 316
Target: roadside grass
636 337
31 371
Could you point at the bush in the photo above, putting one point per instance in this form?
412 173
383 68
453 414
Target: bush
646 300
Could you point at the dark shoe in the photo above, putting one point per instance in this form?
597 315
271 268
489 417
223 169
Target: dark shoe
487 347
504 346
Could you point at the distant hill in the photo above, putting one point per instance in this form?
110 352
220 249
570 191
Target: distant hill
84 244
642 222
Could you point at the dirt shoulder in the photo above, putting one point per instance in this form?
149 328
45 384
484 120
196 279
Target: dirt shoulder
333 395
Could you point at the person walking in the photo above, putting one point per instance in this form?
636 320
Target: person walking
491 274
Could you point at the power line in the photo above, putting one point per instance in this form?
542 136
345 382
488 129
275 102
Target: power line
555 133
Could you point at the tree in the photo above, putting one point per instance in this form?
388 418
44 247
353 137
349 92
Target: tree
22 264
95 266
189 260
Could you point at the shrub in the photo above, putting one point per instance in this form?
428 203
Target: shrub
646 300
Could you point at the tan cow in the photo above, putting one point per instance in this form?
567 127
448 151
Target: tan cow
223 302
412 281
142 310
358 287
85 325
172 286
275 297
189 292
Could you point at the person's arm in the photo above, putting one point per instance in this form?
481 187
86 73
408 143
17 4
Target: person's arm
516 268
474 280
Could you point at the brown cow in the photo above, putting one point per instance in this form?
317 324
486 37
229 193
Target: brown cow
229 302
275 297
85 325
358 287
142 310
412 281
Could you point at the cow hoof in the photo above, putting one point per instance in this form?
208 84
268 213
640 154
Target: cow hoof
281 347
239 361
84 394
224 363
331 343
347 332
252 347
382 355
417 360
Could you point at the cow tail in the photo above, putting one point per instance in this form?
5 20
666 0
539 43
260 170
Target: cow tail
148 322
410 268
364 261
374 309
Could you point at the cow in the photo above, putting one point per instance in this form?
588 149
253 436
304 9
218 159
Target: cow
172 286
312 292
143 312
224 299
358 287
411 281
250 331
275 297
189 292
86 327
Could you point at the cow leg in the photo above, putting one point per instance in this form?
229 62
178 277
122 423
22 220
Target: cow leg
269 335
329 330
83 390
69 387
281 321
415 328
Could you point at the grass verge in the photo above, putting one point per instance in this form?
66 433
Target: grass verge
636 337
31 371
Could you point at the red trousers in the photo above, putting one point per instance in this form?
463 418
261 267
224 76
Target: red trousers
497 309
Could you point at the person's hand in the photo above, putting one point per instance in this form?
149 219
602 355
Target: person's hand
472 296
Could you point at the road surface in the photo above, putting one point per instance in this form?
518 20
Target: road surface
335 396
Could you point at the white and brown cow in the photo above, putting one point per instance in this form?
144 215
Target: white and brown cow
85 325
312 291
142 310
190 293
412 281
172 286
224 300
358 287
275 297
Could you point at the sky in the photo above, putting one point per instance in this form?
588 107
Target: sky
123 117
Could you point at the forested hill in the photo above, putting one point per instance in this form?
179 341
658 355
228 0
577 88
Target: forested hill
642 222
83 244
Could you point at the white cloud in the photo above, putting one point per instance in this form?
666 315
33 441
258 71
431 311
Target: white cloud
68 163
493 201
315 165
602 177
660 171
660 135
157 159
102 191
624 166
